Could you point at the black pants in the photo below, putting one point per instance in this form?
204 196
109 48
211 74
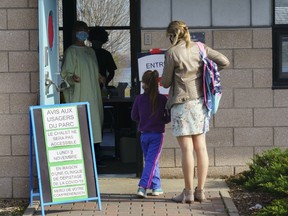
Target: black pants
97 149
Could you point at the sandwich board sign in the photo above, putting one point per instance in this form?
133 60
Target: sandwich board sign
64 153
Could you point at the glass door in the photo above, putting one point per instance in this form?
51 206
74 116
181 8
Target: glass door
114 17
120 20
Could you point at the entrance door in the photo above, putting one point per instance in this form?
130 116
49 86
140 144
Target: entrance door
49 74
121 19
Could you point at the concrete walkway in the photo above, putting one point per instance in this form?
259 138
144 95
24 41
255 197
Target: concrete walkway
118 199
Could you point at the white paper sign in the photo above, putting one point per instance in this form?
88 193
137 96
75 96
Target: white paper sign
60 118
61 155
76 191
66 137
148 61
67 175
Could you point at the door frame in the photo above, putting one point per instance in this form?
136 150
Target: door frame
49 74
70 16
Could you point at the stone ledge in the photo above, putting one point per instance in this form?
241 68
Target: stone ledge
228 202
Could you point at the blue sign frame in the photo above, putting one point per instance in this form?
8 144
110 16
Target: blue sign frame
34 138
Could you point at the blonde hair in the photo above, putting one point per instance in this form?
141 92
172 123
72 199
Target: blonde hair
178 30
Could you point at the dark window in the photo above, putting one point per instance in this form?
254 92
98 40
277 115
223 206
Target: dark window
280 44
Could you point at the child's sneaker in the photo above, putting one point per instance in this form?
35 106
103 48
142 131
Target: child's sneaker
141 192
157 192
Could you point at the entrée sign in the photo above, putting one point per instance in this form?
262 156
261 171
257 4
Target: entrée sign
64 153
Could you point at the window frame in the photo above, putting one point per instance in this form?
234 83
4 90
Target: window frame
279 78
70 16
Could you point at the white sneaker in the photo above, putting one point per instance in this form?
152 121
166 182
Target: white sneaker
141 192
157 192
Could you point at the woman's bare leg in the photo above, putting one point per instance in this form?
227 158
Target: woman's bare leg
186 145
200 148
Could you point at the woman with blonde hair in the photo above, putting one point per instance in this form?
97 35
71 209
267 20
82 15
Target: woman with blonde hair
182 73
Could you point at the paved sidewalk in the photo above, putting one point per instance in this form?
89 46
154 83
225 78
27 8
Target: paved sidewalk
118 199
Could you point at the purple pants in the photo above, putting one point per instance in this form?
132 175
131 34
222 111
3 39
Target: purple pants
151 144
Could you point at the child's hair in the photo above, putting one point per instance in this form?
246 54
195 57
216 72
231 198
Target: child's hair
150 81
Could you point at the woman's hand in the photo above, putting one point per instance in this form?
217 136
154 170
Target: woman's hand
102 80
76 78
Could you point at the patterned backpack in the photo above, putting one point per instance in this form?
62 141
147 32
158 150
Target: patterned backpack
211 82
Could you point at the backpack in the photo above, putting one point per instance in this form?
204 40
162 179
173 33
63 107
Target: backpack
211 82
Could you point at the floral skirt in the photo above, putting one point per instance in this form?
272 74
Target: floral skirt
189 118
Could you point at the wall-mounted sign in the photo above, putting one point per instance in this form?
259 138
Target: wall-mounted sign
153 60
197 36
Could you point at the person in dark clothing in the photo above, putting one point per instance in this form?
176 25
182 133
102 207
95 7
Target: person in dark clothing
99 36
151 115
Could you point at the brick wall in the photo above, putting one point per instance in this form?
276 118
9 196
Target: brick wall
252 117
18 90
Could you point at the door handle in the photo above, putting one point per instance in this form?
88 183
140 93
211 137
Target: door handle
63 85
48 82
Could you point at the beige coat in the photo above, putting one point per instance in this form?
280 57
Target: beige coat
183 71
